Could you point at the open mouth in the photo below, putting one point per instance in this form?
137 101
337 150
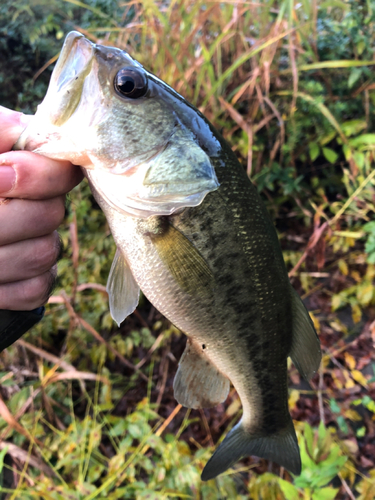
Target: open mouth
74 60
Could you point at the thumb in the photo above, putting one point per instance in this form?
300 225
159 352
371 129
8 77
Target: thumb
12 124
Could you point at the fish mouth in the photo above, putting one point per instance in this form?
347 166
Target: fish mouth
68 77
63 95
75 59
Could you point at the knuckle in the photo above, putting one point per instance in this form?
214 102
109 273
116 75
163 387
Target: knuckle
46 252
28 294
55 211
36 291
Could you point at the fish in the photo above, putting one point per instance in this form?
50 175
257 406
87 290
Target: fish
192 233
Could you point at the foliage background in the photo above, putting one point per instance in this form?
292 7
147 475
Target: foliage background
87 409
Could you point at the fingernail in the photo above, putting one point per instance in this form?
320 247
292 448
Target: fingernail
7 179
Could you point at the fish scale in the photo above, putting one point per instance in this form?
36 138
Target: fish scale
191 232
245 276
257 235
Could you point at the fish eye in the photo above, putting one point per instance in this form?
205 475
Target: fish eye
130 82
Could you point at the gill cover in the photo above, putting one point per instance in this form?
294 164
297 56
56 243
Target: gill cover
177 177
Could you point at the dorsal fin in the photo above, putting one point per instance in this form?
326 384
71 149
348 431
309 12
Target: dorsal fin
305 352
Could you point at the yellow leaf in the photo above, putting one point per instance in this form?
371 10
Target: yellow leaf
349 360
343 266
365 294
338 382
370 273
356 313
338 326
293 398
349 381
315 321
356 276
336 302
349 384
351 445
233 407
325 361
352 415
359 377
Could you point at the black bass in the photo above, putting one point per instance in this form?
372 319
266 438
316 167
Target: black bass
191 232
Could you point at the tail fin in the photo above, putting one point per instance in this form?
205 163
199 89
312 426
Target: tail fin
281 448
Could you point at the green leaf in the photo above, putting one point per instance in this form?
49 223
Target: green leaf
355 74
370 244
359 159
307 462
365 293
369 227
322 108
342 424
330 155
347 152
314 151
361 432
289 490
361 45
364 139
334 407
336 302
334 3
325 493
322 433
330 64
352 127
2 455
309 438
327 137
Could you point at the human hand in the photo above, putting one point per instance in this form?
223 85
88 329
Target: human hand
32 206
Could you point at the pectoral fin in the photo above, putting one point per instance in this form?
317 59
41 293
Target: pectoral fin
123 291
183 260
305 352
198 383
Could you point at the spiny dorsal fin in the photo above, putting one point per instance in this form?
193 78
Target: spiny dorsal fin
183 260
198 383
123 291
305 352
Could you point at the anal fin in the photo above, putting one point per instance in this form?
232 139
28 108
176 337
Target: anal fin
198 383
123 291
305 353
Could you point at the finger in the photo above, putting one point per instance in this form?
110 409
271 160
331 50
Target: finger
12 125
27 175
27 294
28 259
25 219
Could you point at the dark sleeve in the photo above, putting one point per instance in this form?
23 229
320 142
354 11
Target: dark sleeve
13 324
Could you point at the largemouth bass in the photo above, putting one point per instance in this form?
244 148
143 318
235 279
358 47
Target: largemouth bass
191 232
